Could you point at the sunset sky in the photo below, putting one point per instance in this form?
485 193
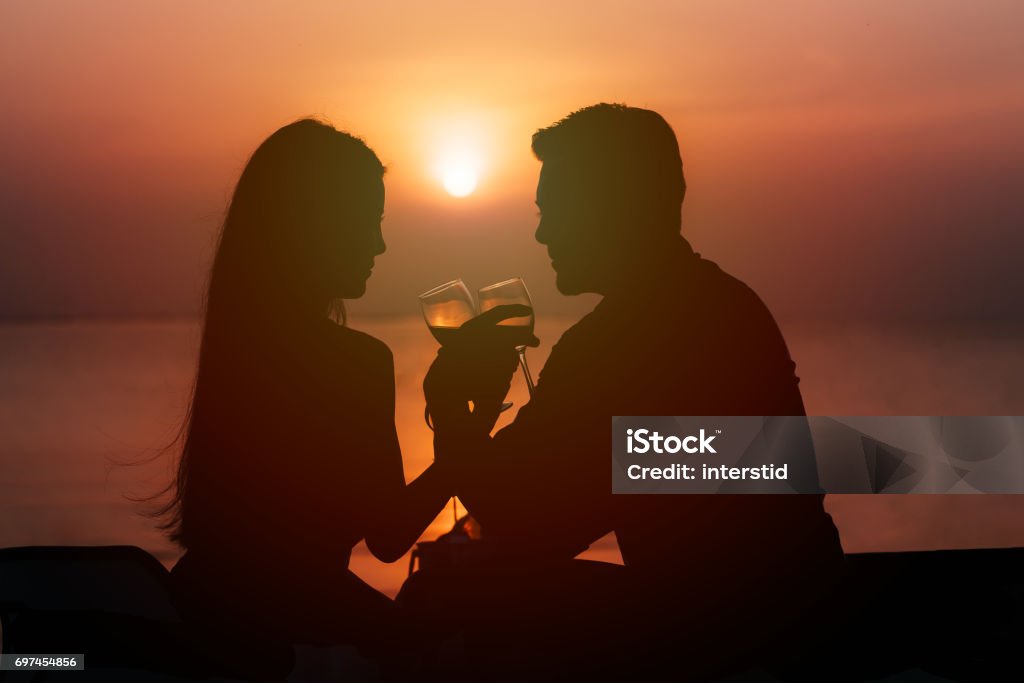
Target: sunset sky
848 159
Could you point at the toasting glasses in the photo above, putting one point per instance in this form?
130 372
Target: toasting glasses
448 306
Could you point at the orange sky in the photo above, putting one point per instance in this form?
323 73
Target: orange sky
844 158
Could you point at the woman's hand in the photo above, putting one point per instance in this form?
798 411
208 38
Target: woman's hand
476 366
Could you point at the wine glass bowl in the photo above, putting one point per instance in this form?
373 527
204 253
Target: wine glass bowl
446 307
512 291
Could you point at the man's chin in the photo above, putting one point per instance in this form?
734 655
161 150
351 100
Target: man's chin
568 285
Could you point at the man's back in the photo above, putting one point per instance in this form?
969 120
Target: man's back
710 580
689 340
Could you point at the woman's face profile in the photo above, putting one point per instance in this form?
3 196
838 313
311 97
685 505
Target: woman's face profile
360 242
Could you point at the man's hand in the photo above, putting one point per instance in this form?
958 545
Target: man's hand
476 365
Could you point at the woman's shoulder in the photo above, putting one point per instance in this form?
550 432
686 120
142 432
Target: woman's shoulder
358 347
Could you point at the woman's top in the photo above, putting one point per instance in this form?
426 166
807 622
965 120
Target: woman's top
303 461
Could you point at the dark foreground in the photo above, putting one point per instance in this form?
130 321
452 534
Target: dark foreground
937 615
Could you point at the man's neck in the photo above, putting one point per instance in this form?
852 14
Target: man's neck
654 267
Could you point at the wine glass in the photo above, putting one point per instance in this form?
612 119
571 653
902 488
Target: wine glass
446 307
512 291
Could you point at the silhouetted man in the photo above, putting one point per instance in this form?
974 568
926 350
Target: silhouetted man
673 335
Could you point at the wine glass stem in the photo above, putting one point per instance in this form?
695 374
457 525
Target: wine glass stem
526 369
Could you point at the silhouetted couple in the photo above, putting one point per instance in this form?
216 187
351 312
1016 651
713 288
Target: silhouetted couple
291 458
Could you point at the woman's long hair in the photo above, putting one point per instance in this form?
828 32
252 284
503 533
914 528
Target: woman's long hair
271 275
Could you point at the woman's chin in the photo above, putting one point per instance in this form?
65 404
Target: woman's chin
354 290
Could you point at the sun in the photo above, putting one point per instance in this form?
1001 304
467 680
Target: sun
459 179
459 161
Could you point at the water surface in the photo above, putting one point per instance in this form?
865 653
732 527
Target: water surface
78 397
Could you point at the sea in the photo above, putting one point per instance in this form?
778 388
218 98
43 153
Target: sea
89 412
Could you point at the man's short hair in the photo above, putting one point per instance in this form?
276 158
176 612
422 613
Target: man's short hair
631 154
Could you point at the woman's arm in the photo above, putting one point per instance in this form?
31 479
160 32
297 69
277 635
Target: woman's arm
397 513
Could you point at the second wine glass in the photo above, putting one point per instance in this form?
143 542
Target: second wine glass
512 291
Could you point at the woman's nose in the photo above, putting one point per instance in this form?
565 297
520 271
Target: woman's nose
541 235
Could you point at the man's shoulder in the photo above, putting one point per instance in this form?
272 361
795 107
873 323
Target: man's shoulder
591 328
740 332
727 305
706 310
713 285
705 297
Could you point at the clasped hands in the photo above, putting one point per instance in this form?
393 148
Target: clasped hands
475 367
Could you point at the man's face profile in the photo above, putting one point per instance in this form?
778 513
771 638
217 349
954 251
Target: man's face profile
576 231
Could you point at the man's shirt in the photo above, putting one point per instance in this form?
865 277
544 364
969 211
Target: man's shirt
687 339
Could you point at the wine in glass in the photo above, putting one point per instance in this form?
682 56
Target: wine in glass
519 329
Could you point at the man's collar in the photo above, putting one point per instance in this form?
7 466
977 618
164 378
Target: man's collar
666 268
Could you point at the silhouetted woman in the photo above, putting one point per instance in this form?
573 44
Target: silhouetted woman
290 454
